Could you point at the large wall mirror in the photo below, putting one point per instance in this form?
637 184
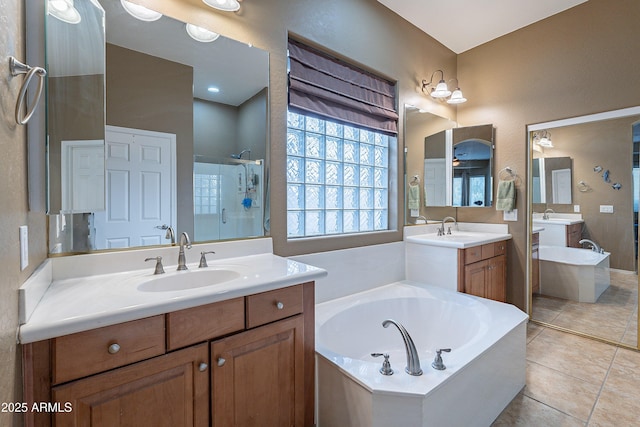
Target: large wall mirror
597 156
165 131
447 166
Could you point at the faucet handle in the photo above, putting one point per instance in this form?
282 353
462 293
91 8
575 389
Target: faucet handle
203 259
386 365
437 362
158 259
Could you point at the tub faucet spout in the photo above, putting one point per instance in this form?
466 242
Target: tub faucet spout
413 361
594 246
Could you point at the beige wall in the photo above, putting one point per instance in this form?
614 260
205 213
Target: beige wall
13 208
584 60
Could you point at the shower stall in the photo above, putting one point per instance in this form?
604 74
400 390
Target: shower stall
228 198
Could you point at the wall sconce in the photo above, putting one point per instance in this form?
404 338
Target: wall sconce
64 11
140 12
441 90
455 161
201 34
225 5
543 139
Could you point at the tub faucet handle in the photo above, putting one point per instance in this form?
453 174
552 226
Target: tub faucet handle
386 365
437 363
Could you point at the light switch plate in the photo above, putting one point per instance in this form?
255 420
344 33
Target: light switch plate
576 208
510 215
24 247
606 208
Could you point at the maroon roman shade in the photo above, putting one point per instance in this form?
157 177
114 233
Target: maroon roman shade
326 86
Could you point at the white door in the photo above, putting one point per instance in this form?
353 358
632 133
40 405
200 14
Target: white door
561 186
435 182
140 188
83 177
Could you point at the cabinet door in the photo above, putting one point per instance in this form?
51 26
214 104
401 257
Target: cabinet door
496 286
475 278
170 390
535 269
257 377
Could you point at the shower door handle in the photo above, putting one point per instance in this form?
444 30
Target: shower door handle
224 215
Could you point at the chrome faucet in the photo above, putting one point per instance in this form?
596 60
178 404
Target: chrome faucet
441 231
413 361
594 246
546 213
184 241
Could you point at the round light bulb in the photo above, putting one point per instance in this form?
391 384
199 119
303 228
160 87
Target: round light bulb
201 34
226 5
140 12
64 11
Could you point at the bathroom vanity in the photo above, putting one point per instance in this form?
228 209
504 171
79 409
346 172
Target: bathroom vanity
472 259
560 229
246 354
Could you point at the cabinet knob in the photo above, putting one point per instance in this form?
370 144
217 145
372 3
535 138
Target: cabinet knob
114 348
221 361
279 305
202 367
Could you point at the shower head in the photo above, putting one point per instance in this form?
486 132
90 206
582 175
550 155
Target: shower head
239 156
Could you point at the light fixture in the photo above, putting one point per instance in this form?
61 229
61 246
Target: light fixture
441 90
226 5
140 12
200 34
543 139
213 89
64 11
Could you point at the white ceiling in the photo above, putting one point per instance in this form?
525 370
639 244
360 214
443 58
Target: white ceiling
464 24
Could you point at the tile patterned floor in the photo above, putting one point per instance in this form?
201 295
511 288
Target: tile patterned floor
575 381
614 316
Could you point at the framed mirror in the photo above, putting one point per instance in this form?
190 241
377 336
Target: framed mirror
185 129
600 152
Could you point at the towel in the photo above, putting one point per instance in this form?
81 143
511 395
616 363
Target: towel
414 197
506 196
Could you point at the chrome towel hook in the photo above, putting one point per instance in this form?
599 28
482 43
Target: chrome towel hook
16 68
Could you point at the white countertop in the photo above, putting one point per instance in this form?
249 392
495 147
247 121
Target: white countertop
82 303
466 236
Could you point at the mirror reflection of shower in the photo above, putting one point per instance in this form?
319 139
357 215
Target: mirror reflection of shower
239 155
228 197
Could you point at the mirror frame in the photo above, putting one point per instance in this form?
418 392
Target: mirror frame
607 115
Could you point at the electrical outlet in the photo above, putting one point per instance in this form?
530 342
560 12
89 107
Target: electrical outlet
510 215
576 208
24 247
606 208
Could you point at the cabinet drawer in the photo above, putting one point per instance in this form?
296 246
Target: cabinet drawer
273 305
535 239
499 248
206 322
97 350
472 255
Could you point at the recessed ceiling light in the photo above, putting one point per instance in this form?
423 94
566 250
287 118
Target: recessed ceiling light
226 5
201 34
140 12
64 11
213 89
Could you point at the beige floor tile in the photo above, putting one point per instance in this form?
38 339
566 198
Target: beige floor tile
615 410
526 412
533 330
593 321
565 393
572 355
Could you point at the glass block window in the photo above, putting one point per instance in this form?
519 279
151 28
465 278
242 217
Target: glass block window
337 178
205 190
476 190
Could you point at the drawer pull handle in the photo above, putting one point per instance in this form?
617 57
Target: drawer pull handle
279 305
202 367
114 348
221 361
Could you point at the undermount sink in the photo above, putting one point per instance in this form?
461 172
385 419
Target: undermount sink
191 279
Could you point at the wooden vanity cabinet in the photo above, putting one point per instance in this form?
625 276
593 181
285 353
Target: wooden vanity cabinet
206 365
574 235
535 263
482 271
